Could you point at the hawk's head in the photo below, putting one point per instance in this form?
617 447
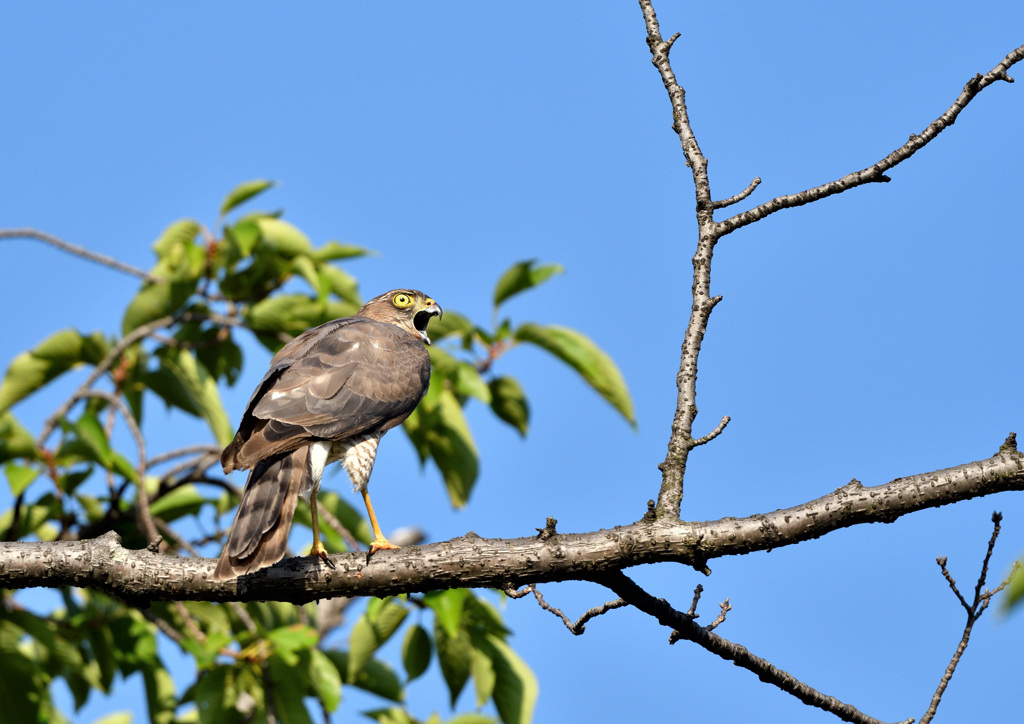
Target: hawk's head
405 308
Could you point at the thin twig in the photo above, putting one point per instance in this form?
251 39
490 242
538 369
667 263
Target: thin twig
77 251
205 449
974 612
876 172
579 626
740 656
143 516
738 197
125 342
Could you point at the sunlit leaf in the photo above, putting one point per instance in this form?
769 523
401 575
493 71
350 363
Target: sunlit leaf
341 283
243 192
482 669
522 276
1015 590
370 632
182 500
52 357
289 640
119 717
283 238
161 699
448 607
156 300
325 679
198 387
15 440
469 383
515 685
589 360
336 250
19 477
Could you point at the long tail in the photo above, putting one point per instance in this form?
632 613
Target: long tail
259 535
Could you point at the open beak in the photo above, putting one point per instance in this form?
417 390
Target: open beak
423 316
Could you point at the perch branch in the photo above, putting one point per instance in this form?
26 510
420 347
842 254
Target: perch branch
475 562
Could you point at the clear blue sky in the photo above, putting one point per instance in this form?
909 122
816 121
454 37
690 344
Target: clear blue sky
873 335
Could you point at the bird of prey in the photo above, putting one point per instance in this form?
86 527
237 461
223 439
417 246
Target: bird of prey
330 394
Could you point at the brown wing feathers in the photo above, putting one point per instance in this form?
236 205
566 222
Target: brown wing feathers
347 377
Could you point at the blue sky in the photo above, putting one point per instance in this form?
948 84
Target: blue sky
872 335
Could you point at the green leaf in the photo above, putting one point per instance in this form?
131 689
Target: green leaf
336 250
182 500
484 678
15 440
451 324
195 390
515 685
469 383
580 353
438 428
172 243
370 632
508 401
376 676
119 717
308 269
291 313
325 679
448 607
19 477
242 193
156 300
287 641
160 694
343 284
1015 591
454 654
522 276
283 238
290 686
91 432
55 355
393 715
416 650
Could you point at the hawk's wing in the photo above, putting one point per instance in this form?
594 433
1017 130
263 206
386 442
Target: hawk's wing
340 379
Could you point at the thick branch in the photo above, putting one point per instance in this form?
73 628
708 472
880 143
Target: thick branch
471 561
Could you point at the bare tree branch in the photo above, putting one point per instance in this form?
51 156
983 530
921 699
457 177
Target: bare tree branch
472 561
974 611
738 197
579 626
77 251
876 171
684 627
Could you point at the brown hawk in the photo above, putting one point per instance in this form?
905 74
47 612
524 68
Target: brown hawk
330 394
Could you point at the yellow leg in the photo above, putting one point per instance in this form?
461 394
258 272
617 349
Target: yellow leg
379 541
318 547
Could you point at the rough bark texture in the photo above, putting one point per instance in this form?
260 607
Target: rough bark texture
471 561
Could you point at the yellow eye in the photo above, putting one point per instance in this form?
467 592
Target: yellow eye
401 300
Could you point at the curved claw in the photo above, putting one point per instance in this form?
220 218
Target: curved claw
320 552
380 543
